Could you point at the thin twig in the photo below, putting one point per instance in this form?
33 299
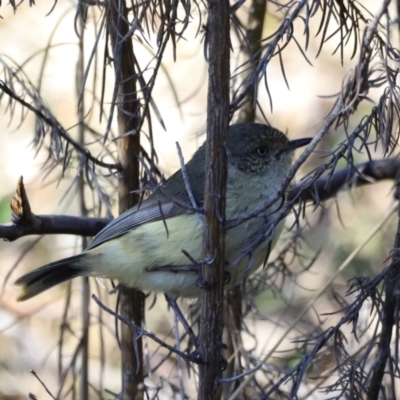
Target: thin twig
186 178
42 383
142 332
240 376
51 121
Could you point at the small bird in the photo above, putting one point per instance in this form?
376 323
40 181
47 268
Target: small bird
156 245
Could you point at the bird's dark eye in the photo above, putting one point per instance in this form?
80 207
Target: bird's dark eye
262 151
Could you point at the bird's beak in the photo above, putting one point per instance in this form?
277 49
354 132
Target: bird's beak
295 144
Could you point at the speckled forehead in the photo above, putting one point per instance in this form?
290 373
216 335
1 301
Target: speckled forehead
272 136
241 140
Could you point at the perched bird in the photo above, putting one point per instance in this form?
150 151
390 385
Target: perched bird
154 247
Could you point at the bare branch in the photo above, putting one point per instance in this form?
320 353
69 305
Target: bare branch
328 186
125 99
54 225
25 223
213 269
42 383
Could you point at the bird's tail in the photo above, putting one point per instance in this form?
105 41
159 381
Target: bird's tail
50 275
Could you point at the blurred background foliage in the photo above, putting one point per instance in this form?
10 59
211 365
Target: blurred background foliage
45 46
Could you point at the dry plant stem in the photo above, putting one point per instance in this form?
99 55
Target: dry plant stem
255 24
240 376
52 225
322 381
71 366
51 121
179 359
61 340
233 317
362 174
142 332
42 383
212 270
25 223
131 301
185 177
84 375
271 49
398 14
390 306
342 267
233 301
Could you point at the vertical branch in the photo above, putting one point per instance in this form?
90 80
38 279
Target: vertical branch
84 375
398 14
390 307
233 317
255 25
212 271
131 301
389 310
233 308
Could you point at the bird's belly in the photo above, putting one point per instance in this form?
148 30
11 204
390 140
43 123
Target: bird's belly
143 257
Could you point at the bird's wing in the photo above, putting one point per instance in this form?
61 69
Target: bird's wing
158 205
151 210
